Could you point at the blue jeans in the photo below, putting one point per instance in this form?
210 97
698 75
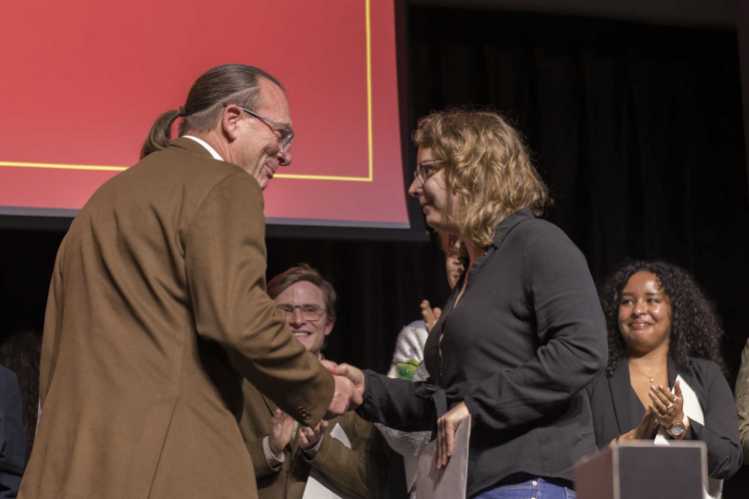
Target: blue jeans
531 489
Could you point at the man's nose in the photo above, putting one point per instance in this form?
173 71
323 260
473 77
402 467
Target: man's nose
296 316
284 157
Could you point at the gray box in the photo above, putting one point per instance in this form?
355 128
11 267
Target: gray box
643 470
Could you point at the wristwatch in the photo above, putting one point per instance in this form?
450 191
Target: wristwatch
677 431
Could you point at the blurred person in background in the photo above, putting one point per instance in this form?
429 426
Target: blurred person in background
19 352
742 400
344 457
408 357
12 435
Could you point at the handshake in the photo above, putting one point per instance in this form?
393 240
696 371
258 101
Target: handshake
348 392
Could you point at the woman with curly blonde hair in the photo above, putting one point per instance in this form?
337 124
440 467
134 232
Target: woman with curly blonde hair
487 169
523 331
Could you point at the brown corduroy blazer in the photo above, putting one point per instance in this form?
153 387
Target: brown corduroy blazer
358 471
156 311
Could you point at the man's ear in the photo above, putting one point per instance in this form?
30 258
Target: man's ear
328 327
230 121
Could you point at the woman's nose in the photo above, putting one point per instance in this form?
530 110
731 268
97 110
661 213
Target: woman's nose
639 308
415 188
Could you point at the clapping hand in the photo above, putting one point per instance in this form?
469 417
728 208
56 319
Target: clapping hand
644 431
282 429
429 314
668 407
308 437
667 411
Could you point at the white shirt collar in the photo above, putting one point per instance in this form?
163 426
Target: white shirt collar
206 146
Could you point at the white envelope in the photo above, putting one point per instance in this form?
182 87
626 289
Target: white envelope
315 489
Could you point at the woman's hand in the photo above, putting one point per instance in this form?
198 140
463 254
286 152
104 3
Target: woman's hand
668 407
282 429
447 425
354 375
646 430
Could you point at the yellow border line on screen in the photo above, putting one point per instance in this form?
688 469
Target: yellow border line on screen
370 149
63 166
370 153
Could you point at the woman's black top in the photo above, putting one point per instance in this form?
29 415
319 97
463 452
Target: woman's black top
525 338
617 410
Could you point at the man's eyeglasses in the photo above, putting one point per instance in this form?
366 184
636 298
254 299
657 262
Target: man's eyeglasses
426 169
284 133
310 312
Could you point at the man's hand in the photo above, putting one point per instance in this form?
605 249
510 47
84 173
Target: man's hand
282 429
447 425
353 374
429 314
308 437
344 398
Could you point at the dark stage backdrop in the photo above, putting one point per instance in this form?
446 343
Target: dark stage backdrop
637 129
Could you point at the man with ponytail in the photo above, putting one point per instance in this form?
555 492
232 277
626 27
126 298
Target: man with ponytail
158 308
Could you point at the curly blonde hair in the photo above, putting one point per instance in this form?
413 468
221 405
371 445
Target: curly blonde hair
487 168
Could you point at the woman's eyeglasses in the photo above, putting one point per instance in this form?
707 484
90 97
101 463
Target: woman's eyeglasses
426 169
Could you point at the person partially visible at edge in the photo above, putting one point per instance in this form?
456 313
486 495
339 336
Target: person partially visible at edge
408 355
742 400
12 436
664 381
408 360
344 457
157 309
19 352
522 333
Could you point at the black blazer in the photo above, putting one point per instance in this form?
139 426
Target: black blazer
525 339
616 410
12 435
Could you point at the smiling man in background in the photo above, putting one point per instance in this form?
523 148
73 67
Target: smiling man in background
345 457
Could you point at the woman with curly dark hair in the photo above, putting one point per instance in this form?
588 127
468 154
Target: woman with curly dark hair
664 379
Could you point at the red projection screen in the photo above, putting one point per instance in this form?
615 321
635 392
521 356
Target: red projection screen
84 80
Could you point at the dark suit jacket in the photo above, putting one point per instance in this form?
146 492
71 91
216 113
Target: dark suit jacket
358 471
12 436
157 309
617 410
519 348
